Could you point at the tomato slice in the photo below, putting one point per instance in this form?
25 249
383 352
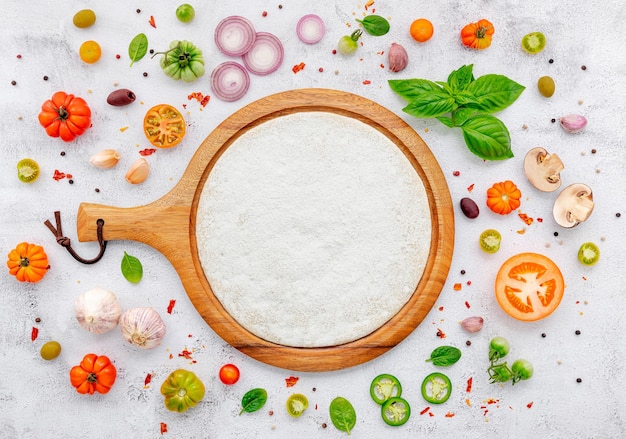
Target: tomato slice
383 387
297 404
529 286
164 126
396 411
436 388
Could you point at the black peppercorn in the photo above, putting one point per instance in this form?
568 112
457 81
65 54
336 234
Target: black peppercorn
62 153
556 233
71 181
37 320
550 60
577 332
13 82
139 11
145 74
618 214
543 335
468 343
462 271
579 380
553 120
45 78
97 190
584 67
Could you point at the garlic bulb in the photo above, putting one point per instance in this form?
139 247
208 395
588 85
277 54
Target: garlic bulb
143 327
97 310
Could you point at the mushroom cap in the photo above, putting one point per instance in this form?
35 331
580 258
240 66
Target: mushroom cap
543 170
573 205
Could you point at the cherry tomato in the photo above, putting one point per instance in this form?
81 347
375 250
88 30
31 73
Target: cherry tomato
522 370
164 126
490 240
588 253
383 387
529 286
297 404
229 374
185 13
498 348
396 411
436 388
90 52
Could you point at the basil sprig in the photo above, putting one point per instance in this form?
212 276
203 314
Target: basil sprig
445 356
131 268
253 400
137 48
375 25
467 103
342 414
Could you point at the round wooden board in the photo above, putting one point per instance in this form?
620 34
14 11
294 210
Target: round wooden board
169 225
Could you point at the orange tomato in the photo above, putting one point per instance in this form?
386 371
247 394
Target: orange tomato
93 374
164 126
90 52
503 197
529 286
478 35
421 30
28 262
65 116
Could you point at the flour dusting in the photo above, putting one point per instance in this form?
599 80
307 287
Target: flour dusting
313 229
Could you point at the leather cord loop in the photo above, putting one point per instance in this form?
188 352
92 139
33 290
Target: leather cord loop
64 241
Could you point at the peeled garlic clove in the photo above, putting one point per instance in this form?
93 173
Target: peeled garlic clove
138 172
107 158
573 123
398 58
472 324
142 327
97 310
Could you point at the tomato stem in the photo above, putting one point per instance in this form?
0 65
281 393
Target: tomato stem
24 261
92 378
63 113
167 51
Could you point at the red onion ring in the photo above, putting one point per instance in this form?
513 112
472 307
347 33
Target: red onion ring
310 29
229 81
265 56
234 35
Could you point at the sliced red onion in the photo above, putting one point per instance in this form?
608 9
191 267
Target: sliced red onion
310 29
265 56
234 35
229 81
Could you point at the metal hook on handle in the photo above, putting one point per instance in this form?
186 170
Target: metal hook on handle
65 241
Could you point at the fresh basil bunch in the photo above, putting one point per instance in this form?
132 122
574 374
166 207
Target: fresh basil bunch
468 103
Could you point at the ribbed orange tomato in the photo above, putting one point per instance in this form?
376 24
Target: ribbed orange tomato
65 116
28 262
93 374
503 197
477 35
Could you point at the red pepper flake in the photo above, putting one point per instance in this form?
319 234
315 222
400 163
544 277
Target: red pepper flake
529 405
382 66
367 82
423 412
492 401
449 415
171 356
315 406
539 220
68 176
170 307
431 414
528 220
470 188
298 67
440 333
147 380
368 4
291 381
467 305
151 21
186 354
468 402
58 175
163 428
200 97
34 333
457 287
469 385
147 151
441 308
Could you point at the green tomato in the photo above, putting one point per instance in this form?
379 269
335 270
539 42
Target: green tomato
499 373
182 61
185 13
498 348
348 44
182 389
588 253
522 370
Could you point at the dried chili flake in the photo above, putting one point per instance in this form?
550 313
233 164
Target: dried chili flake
440 333
529 405
470 188
469 385
171 356
457 287
441 308
152 22
528 220
147 380
68 176
368 4
58 175
468 402
163 428
186 354
367 82
492 401
449 415
539 220
298 67
200 97
382 66
423 412
34 333
170 307
147 151
467 305
291 381
431 414
123 129
521 231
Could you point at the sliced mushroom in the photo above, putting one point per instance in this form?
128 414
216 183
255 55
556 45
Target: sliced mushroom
543 169
573 205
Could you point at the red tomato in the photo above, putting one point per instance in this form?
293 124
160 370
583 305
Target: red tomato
529 286
229 374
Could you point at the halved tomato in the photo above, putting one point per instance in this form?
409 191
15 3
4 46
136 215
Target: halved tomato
529 286
164 126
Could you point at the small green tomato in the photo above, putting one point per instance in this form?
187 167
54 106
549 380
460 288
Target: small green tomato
185 13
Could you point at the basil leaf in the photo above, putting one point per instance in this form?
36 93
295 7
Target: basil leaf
487 137
459 79
375 25
447 121
131 268
431 104
138 48
342 414
253 400
410 89
464 97
494 92
445 356
460 116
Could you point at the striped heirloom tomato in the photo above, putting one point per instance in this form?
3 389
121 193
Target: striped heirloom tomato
65 116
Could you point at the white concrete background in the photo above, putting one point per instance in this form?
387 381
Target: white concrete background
36 398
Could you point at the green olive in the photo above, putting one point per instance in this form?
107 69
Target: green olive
546 86
50 350
84 18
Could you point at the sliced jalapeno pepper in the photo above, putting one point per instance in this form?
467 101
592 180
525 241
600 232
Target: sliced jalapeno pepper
436 388
383 387
396 411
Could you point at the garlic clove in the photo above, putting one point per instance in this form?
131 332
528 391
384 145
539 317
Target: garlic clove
472 324
97 310
398 58
138 172
107 158
573 123
143 327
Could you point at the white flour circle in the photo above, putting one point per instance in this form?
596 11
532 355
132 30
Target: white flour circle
313 229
